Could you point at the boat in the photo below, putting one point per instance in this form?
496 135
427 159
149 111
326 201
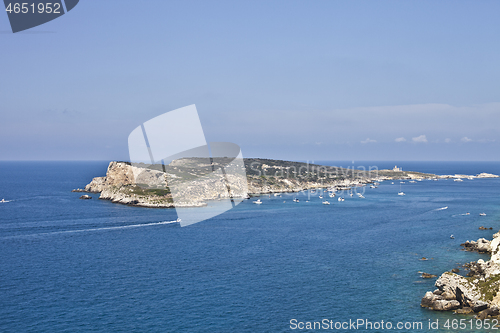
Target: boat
400 191
3 201
392 183
373 186
326 202
295 200
178 220
467 213
482 214
277 195
458 180
332 195
257 202
321 197
452 237
360 196
412 181
340 199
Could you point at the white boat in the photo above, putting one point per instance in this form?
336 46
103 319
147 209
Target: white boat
412 181
452 237
277 195
295 200
340 199
3 201
257 202
178 220
332 195
326 202
360 196
482 214
400 191
458 180
373 186
321 197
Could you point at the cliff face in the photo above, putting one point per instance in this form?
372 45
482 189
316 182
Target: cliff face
121 174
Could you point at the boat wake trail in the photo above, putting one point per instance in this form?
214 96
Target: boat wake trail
94 229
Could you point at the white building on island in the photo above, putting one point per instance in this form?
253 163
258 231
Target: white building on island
397 169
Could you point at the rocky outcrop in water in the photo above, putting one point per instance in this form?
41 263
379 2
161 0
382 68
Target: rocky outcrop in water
481 246
478 292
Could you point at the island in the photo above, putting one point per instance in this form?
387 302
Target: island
149 185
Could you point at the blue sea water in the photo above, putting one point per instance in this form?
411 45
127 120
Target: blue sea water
70 265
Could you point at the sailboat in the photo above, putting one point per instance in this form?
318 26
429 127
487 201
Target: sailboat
258 202
400 191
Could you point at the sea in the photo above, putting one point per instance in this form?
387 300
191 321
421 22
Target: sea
70 265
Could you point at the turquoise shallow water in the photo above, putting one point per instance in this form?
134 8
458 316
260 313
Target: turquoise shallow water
71 265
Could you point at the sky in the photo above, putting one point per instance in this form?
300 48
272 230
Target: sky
295 80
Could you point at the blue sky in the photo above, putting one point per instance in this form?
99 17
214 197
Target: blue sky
300 80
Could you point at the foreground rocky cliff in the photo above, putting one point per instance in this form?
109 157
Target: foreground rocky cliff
478 292
195 182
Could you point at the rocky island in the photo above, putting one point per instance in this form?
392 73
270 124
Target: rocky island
150 186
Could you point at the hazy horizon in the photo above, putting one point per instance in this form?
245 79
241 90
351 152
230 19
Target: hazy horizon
294 80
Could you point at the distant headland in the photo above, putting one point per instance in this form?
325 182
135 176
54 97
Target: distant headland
264 176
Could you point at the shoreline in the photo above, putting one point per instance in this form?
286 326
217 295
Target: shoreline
478 292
